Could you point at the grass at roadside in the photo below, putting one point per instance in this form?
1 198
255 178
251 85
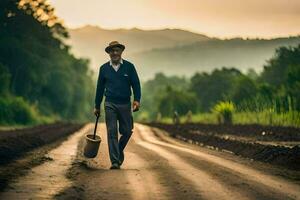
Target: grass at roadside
262 118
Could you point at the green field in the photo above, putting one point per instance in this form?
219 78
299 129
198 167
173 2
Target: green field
263 118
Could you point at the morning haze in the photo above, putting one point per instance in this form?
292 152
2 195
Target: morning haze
168 50
150 99
162 36
225 18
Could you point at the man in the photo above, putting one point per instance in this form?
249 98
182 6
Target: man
116 78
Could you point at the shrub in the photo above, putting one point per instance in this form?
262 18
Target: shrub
225 110
15 110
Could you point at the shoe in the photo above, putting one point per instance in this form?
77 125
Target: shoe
121 158
115 166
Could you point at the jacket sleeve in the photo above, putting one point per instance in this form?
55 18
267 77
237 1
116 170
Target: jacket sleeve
135 84
100 88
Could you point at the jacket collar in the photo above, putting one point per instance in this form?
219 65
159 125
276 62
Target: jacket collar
110 62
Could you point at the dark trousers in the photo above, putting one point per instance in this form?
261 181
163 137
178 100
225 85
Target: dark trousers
118 114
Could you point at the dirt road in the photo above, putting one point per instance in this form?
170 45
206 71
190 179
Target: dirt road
155 167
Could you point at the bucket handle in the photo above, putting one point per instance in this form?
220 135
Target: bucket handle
97 117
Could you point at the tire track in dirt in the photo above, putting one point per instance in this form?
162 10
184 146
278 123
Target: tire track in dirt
206 185
155 167
276 186
144 175
233 180
168 185
143 183
135 180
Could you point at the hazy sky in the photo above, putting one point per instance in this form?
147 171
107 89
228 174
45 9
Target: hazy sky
221 18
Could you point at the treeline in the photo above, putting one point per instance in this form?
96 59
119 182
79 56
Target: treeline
276 89
40 79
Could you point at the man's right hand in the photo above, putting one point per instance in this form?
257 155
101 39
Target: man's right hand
97 112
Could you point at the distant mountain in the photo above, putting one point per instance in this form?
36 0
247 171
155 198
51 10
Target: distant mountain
90 41
174 51
211 54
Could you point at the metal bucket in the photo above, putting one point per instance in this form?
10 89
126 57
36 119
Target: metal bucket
92 143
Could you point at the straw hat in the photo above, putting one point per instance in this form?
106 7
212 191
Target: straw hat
114 44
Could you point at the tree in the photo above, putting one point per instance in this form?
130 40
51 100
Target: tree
214 87
283 73
245 89
175 100
4 80
38 64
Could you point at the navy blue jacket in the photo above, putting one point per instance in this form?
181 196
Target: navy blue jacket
116 85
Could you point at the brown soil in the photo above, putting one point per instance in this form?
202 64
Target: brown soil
14 143
159 167
22 149
156 167
260 132
244 140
